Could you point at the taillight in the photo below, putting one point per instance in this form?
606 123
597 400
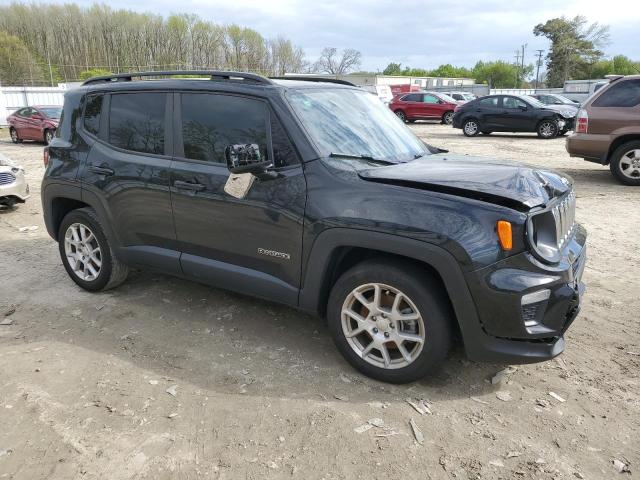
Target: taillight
46 156
582 121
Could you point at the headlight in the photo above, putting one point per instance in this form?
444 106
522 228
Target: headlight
549 230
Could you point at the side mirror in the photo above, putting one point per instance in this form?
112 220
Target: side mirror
522 107
245 158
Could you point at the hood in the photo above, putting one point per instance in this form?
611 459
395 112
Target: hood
565 110
504 183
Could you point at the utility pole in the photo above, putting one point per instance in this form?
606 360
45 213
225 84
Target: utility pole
523 47
539 63
517 57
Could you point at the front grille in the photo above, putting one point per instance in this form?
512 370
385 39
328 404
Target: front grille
564 214
6 178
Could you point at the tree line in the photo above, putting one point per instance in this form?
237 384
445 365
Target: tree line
47 43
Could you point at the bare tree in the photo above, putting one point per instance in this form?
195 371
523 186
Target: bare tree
332 62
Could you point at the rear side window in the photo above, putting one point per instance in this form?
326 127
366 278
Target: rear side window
620 94
136 122
489 102
414 97
211 122
92 112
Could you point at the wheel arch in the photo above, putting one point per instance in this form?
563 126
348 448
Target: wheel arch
338 249
619 141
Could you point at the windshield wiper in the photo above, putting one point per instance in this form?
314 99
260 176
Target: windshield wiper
368 158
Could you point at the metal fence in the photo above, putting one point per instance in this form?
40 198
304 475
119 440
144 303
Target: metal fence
13 98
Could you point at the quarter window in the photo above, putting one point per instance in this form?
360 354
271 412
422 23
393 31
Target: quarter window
211 123
136 122
92 112
625 93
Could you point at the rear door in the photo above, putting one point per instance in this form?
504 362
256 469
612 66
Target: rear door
127 171
252 243
413 106
488 112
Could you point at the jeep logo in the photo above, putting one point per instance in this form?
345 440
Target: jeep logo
273 253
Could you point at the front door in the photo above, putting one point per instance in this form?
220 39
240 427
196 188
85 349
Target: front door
432 107
253 243
516 115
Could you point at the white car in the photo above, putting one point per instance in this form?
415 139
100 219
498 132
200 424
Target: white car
13 186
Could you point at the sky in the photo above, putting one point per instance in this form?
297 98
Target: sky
416 33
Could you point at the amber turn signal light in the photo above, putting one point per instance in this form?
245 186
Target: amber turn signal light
505 235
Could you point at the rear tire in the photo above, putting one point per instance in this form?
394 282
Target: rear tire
470 127
14 135
547 129
625 163
400 114
421 298
86 253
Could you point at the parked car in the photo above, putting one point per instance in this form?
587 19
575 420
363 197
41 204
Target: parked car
608 129
312 194
13 186
461 96
512 113
34 123
555 99
410 107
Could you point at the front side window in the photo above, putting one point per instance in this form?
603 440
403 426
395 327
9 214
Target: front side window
430 99
211 123
92 112
620 94
136 122
352 122
513 103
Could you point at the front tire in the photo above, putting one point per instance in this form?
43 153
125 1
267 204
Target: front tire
14 135
390 320
547 129
48 136
470 127
625 163
447 118
86 253
400 114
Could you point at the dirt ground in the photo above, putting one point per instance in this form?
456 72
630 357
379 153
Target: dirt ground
257 390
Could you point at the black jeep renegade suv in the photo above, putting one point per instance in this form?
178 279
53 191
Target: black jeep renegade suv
313 194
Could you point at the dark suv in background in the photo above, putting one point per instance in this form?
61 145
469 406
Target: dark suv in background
608 129
513 113
312 193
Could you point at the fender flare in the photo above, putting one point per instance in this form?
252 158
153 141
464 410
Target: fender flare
444 263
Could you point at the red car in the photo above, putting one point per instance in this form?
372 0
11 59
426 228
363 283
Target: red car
410 107
34 123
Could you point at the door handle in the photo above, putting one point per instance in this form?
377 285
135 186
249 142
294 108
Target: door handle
101 170
196 187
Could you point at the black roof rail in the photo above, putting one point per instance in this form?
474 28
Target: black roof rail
305 78
213 74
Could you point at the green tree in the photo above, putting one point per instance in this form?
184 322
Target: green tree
574 46
93 72
499 74
448 70
18 66
393 69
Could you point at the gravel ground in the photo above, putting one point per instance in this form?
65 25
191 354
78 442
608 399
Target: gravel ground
165 378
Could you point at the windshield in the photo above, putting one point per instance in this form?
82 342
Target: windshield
533 101
564 100
351 122
51 112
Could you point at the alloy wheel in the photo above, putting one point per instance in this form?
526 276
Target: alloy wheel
400 115
470 128
48 136
448 118
14 135
630 164
83 252
548 129
383 326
